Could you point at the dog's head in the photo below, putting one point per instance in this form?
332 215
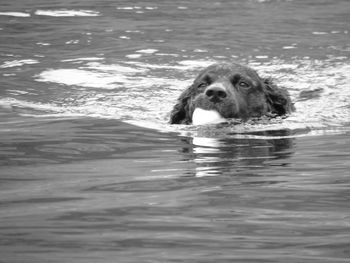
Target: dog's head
233 91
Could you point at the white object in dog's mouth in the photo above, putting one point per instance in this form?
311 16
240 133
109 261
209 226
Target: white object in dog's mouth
201 117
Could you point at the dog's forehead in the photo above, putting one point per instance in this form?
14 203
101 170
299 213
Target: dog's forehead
228 70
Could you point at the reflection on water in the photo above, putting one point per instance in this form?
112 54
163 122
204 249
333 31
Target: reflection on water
215 156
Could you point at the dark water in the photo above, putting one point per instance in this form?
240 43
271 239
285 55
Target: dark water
91 171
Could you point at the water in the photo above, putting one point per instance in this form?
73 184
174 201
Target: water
92 172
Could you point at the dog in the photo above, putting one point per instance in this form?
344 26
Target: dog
229 90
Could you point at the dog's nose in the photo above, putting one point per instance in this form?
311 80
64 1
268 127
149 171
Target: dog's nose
216 93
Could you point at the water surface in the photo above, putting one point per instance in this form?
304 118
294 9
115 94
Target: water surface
91 171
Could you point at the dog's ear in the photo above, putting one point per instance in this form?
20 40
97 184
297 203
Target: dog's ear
180 113
277 98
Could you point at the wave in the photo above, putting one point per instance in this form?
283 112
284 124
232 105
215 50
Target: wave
66 13
18 63
54 13
15 14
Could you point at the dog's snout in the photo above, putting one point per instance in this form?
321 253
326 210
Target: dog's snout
216 92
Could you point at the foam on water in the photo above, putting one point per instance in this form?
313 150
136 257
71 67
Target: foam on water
144 93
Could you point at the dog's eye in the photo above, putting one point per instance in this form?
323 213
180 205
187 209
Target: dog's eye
243 84
202 85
